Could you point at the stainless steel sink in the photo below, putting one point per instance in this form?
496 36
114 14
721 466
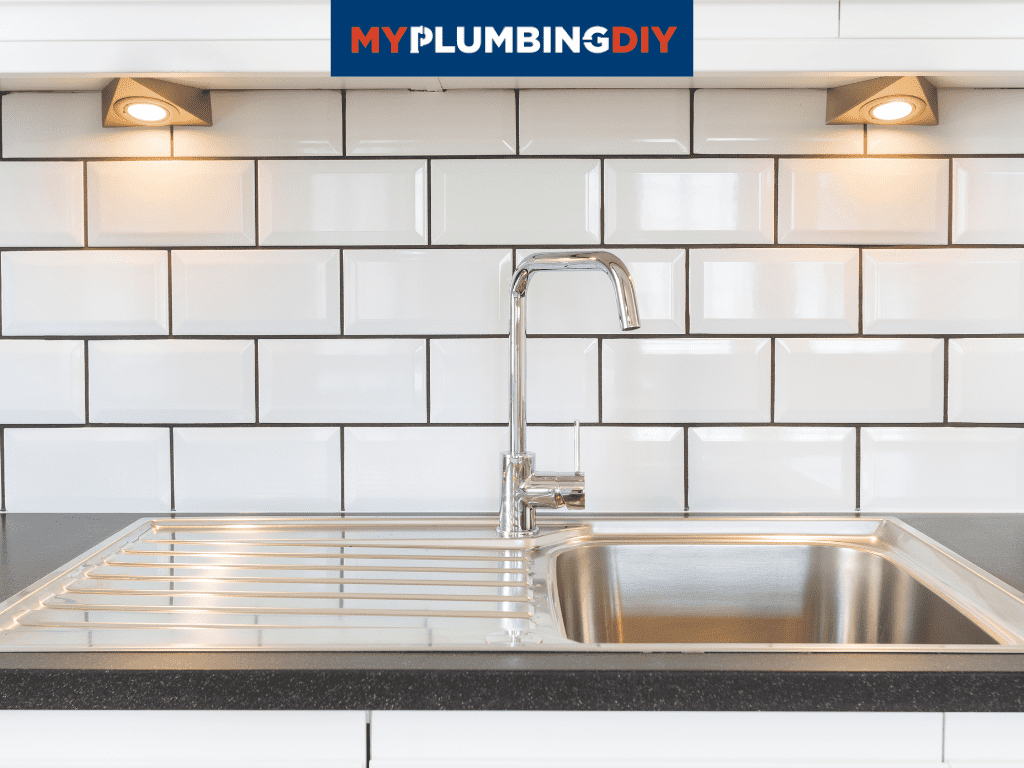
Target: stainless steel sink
749 593
428 583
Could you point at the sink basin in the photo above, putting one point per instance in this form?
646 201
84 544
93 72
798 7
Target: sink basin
754 593
614 584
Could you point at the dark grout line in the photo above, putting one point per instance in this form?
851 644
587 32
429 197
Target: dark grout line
945 381
85 368
172 140
344 123
516 96
856 478
170 437
426 377
256 373
865 139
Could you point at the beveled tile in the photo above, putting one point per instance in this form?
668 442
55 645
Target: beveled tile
343 202
986 379
343 380
30 130
409 469
974 121
396 122
172 381
257 469
469 380
42 204
745 121
628 469
84 293
859 380
941 469
689 201
262 123
687 380
102 469
773 290
265 292
584 302
411 292
948 290
772 469
985 191
515 202
863 201
604 122
168 203
42 382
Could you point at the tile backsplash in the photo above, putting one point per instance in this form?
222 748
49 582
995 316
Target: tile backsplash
304 308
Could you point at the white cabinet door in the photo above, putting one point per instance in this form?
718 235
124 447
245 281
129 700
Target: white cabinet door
975 739
541 739
193 739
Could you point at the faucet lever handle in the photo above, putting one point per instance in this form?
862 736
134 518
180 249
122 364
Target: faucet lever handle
576 444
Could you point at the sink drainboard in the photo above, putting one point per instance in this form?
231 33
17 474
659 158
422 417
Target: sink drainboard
280 583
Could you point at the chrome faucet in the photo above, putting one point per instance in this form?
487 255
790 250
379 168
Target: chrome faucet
522 489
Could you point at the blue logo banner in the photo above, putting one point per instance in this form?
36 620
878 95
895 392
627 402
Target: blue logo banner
531 39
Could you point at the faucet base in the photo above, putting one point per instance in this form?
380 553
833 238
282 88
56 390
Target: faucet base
523 490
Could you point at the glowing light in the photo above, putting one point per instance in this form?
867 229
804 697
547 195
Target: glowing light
147 113
892 110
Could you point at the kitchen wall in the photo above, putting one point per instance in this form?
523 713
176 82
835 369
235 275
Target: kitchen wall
304 307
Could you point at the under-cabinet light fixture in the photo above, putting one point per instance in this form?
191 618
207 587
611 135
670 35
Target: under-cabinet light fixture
909 100
129 101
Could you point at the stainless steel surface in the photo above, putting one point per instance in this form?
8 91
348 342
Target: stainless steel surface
392 583
523 489
749 593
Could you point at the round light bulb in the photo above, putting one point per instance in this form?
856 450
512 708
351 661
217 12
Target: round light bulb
147 113
892 110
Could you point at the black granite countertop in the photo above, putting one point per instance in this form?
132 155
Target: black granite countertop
33 545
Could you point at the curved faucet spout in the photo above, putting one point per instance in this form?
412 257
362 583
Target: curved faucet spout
522 489
611 265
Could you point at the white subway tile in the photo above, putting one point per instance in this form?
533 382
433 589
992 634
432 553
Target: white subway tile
972 122
257 469
515 201
42 382
584 302
689 201
942 469
43 204
986 379
952 290
627 469
256 292
675 380
743 121
419 292
172 380
985 191
461 122
984 738
870 200
859 380
163 203
594 121
68 125
343 202
343 380
92 292
469 380
773 290
266 123
772 469
101 469
423 469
